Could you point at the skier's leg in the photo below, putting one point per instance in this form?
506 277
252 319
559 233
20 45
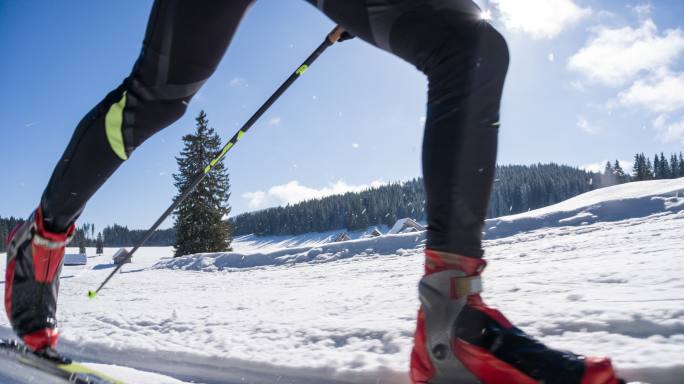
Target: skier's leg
465 60
183 45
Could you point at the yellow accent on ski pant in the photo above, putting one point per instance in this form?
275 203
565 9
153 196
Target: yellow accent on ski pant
113 127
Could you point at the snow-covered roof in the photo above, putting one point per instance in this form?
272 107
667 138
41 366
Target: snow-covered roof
405 225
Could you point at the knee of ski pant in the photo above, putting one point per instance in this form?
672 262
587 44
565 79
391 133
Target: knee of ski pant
136 112
469 69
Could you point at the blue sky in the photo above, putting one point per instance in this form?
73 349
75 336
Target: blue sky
589 81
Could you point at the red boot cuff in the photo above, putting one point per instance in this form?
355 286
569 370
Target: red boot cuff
46 337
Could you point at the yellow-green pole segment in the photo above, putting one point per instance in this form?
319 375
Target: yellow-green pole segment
330 39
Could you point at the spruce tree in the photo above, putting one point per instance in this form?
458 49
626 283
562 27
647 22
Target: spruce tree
608 177
665 171
619 173
200 221
648 170
674 166
4 232
681 165
637 168
657 169
81 243
99 244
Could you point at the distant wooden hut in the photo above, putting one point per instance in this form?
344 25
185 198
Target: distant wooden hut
375 233
121 257
406 225
342 237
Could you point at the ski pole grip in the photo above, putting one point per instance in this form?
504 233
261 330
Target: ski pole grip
334 36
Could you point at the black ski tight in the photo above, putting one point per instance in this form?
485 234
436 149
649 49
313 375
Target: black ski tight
463 57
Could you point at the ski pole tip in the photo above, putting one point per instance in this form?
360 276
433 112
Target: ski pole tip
92 294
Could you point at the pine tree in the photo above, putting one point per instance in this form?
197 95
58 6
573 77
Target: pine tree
200 220
657 169
665 172
649 173
681 165
81 244
99 244
674 166
637 168
619 173
4 232
608 177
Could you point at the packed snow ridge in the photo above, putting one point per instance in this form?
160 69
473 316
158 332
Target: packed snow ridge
599 274
616 203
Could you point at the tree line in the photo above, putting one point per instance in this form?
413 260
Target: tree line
111 236
660 168
517 188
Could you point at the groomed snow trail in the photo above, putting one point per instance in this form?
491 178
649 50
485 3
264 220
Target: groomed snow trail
344 313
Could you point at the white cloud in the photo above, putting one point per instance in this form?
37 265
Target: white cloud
578 86
640 60
293 192
255 200
586 126
540 18
615 56
355 145
237 82
669 132
642 10
663 92
274 120
551 57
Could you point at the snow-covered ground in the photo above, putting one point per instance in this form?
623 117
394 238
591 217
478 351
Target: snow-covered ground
600 274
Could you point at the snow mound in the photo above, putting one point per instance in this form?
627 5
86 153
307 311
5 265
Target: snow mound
368 247
250 243
616 203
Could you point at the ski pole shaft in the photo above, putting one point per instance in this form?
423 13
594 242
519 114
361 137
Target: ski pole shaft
330 39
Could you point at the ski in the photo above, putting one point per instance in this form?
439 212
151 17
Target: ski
67 372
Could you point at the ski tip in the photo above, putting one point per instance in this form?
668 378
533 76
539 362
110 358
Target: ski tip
92 294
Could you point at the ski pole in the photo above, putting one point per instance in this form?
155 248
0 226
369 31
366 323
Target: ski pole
337 34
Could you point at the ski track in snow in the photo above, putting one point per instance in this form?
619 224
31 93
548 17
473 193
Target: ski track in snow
345 312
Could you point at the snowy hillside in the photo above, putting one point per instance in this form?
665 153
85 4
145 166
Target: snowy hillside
619 202
598 274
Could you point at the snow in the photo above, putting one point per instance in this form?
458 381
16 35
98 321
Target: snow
599 274
619 202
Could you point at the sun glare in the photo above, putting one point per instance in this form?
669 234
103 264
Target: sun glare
486 15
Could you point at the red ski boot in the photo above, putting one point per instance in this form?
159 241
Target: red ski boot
34 260
459 339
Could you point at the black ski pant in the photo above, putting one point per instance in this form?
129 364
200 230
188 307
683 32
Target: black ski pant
464 58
